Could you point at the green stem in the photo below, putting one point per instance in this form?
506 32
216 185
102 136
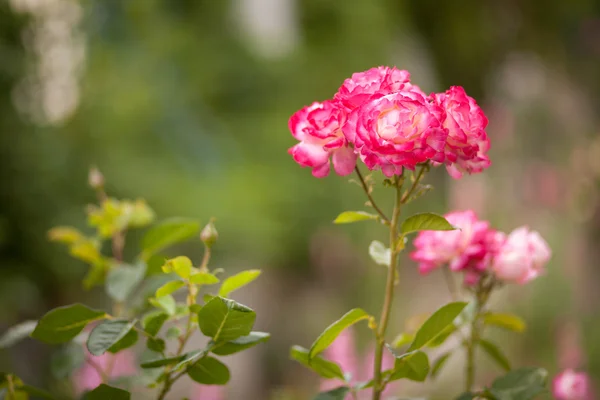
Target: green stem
368 193
11 387
415 184
389 293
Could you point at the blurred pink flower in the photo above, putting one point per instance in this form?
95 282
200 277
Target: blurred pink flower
343 352
571 385
88 378
208 392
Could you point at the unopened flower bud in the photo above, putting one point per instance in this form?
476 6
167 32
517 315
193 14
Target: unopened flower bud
209 234
95 178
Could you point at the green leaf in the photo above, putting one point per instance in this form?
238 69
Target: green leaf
224 320
38 393
403 339
156 344
495 353
107 334
354 216
241 343
126 342
173 332
66 360
167 233
105 392
64 323
16 333
204 278
332 331
436 324
520 384
381 254
182 266
169 288
122 280
324 368
95 275
153 321
439 363
161 362
466 396
334 394
167 303
209 371
509 322
426 222
192 357
442 337
238 281
413 366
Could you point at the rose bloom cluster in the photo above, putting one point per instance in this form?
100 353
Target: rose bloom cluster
382 118
476 249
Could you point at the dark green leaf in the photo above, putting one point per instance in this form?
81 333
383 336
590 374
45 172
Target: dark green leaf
225 320
66 360
64 323
167 233
107 334
169 288
413 366
354 216
436 324
495 353
156 344
324 368
105 392
192 357
209 371
332 331
173 332
442 337
335 394
425 222
379 253
241 343
126 342
153 321
38 393
162 362
466 396
238 281
17 333
507 321
122 280
520 384
439 363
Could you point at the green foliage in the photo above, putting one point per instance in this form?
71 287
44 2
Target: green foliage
354 216
153 321
436 324
224 320
380 253
108 334
169 288
64 323
425 222
104 392
238 281
334 394
123 279
332 331
209 371
66 360
168 233
520 384
495 353
413 366
506 321
241 343
321 366
439 363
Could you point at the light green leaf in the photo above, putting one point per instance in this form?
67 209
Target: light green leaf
66 360
167 303
104 392
403 339
495 353
241 343
413 366
354 216
169 288
204 278
381 254
192 357
509 322
436 324
209 371
324 368
442 337
64 323
182 266
439 363
225 320
107 334
173 332
425 222
237 281
153 321
167 233
16 333
332 331
122 280
334 394
520 384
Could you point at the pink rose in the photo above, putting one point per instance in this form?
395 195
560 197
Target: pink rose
467 144
571 385
317 127
88 378
460 249
208 392
358 89
396 130
522 256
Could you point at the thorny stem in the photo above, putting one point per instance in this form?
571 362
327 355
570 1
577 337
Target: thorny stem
368 193
389 293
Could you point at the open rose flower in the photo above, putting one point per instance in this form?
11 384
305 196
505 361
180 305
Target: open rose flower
395 131
571 385
467 143
522 256
317 127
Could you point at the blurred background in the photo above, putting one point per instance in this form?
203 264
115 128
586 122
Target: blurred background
185 103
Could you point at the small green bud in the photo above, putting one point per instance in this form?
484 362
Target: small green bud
209 234
95 178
